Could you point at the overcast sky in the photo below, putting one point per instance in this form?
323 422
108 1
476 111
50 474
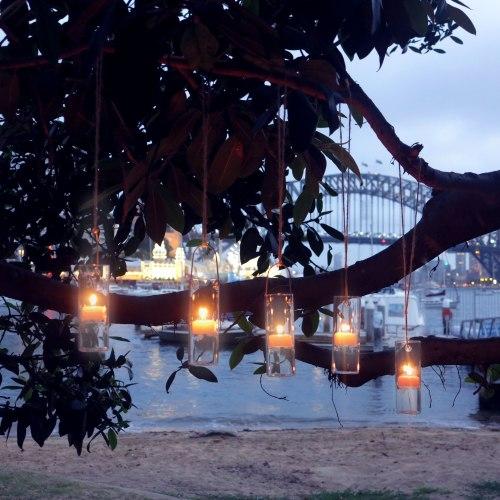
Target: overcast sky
448 102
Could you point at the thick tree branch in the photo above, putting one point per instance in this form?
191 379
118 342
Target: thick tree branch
448 219
435 351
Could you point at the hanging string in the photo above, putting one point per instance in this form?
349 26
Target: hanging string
407 271
345 203
204 135
281 131
95 202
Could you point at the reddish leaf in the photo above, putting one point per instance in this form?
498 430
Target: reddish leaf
155 213
226 166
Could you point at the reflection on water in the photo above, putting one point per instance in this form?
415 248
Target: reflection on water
238 402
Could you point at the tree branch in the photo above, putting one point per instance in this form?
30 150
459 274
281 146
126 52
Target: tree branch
448 219
435 351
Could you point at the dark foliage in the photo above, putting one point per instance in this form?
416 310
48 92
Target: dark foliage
151 145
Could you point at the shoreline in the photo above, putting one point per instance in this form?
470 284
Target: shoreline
274 463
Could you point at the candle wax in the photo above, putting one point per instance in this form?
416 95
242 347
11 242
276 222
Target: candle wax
408 382
277 341
204 327
93 313
347 339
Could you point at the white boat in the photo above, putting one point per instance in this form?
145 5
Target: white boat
392 305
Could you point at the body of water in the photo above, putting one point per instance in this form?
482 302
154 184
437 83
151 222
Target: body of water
239 402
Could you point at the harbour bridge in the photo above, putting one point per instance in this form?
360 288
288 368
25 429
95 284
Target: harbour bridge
375 214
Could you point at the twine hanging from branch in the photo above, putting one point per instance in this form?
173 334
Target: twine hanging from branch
407 271
95 201
281 131
204 134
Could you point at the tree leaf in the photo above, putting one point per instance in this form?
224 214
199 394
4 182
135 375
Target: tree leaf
248 245
226 166
310 323
302 206
315 241
199 46
180 353
202 373
329 189
170 381
119 339
418 16
334 233
112 439
461 18
261 370
244 324
155 213
335 152
302 121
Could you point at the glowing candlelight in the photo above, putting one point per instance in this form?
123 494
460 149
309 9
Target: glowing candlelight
409 378
202 325
92 311
280 339
345 337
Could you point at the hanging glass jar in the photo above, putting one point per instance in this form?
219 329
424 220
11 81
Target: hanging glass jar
93 308
280 332
408 376
347 323
204 289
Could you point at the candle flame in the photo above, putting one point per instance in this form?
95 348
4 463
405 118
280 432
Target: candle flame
344 327
93 299
203 313
280 329
408 369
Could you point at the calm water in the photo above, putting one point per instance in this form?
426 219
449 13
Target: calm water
238 402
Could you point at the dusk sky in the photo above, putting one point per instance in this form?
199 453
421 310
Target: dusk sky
448 102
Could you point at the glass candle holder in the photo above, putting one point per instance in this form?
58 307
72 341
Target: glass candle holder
204 311
345 348
408 376
280 335
93 308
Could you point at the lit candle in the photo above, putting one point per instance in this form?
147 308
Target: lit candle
344 337
280 339
92 311
202 325
409 378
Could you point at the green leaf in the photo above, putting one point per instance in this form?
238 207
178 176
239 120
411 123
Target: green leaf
456 39
310 323
194 242
120 339
302 206
252 5
244 324
298 166
261 370
249 242
418 16
173 211
170 381
334 233
335 152
461 18
180 353
112 439
315 241
326 312
202 373
358 117
329 189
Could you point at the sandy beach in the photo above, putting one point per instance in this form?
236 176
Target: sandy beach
432 462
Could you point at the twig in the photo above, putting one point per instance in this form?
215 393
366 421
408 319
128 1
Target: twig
284 398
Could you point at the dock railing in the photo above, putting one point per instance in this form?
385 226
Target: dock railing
480 328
